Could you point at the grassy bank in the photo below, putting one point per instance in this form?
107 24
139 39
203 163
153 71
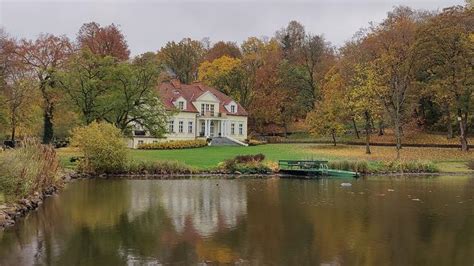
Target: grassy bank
446 160
32 168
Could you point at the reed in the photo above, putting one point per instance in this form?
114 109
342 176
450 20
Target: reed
33 167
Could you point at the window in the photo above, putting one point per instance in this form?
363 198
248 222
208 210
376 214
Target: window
190 127
212 109
181 105
203 128
140 142
232 108
232 129
171 126
241 129
155 141
202 109
181 126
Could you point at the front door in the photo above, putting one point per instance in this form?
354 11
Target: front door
211 128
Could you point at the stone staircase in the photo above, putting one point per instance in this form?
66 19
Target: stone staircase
226 141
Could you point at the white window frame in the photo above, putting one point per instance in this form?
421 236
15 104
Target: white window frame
203 127
232 128
233 109
181 105
180 126
171 126
190 127
212 109
241 129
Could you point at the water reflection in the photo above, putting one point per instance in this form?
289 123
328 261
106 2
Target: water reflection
290 222
207 205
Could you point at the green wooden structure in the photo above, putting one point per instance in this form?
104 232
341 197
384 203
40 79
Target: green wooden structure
312 168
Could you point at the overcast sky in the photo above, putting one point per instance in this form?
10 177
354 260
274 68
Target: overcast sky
148 24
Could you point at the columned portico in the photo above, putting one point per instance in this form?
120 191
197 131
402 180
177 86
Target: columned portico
213 127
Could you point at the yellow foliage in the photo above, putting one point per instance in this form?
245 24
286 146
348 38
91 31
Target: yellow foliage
103 147
211 72
172 145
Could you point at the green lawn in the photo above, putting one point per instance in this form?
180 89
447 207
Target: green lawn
210 156
447 160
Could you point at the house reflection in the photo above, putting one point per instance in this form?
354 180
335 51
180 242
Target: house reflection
209 205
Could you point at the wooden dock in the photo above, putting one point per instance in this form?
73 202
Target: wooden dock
312 168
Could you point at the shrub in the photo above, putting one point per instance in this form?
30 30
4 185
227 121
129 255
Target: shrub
249 158
175 144
247 164
159 168
409 167
31 168
103 147
356 166
254 142
470 164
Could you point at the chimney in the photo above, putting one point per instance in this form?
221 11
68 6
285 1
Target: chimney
175 83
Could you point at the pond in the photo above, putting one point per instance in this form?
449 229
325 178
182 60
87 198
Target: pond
376 221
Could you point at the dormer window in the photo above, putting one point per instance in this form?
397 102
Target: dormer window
180 103
232 108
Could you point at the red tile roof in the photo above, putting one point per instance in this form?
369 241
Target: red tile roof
171 91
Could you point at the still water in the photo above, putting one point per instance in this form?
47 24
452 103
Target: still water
376 221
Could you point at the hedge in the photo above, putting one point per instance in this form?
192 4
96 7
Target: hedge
173 145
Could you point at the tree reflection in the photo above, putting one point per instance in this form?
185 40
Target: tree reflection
271 221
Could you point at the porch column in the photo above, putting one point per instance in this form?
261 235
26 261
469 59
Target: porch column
208 128
206 132
224 133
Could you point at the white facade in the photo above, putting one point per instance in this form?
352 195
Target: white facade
208 122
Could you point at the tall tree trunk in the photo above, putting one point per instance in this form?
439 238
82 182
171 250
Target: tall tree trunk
462 128
355 128
381 128
367 132
13 126
13 134
398 137
48 131
333 137
449 125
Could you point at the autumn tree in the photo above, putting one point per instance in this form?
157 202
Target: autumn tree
229 75
330 114
5 43
292 38
45 57
445 49
220 49
103 41
17 87
268 97
392 45
182 58
308 58
363 98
